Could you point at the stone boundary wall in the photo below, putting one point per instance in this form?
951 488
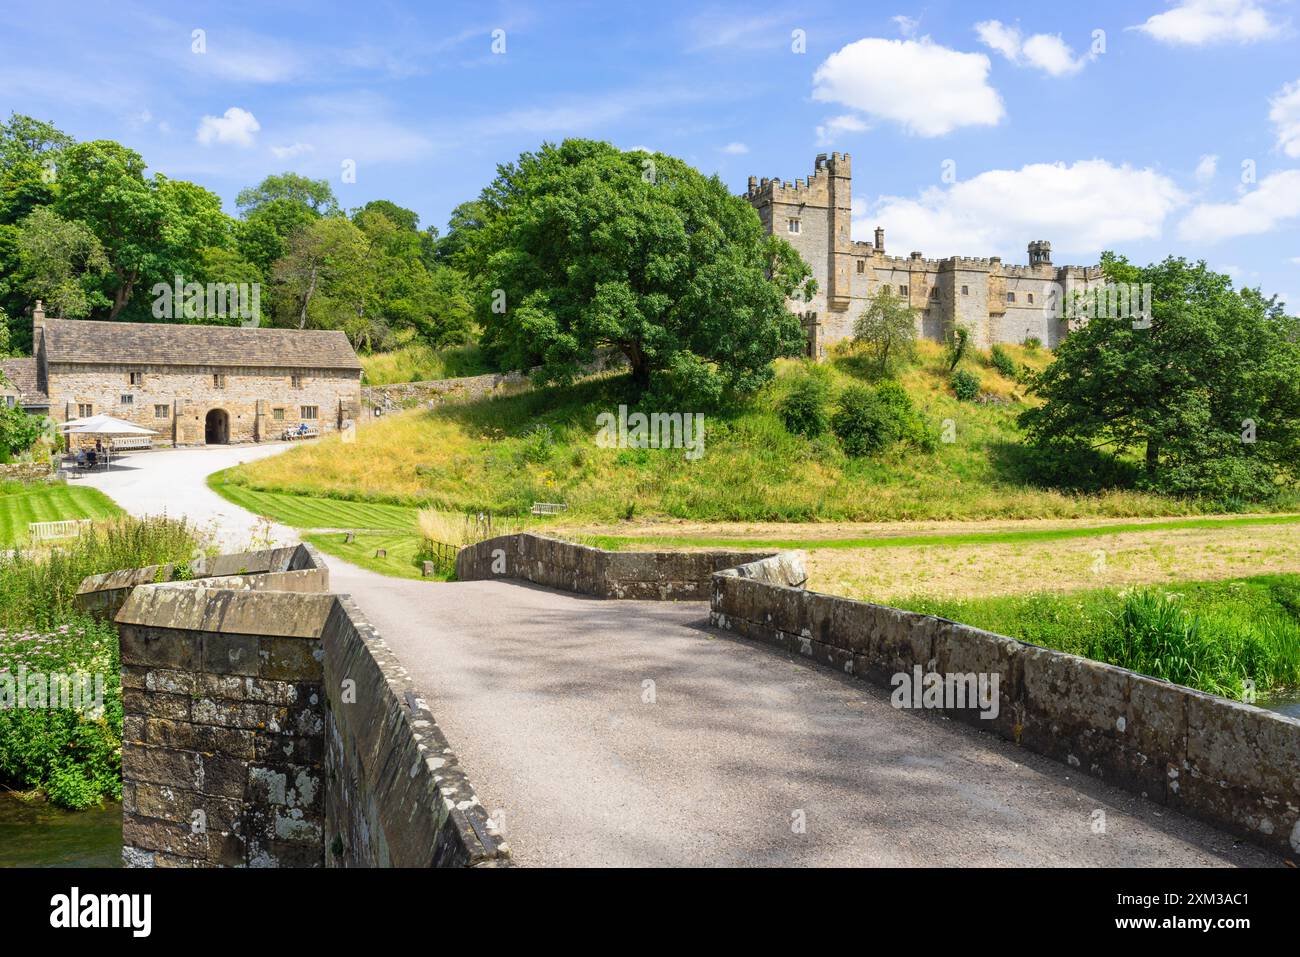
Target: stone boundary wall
656 576
25 471
267 724
1233 765
376 400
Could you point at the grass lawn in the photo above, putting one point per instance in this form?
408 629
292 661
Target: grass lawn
301 511
20 505
1212 635
400 562
416 362
504 453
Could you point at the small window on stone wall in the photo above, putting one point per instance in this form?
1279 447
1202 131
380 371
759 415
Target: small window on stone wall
934 292
884 287
162 411
965 290
1031 298
296 381
309 411
792 225
127 398
1011 297
135 378
218 380
277 414
862 265
902 291
85 410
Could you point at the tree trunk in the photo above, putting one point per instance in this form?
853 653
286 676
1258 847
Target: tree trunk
1153 456
122 295
306 300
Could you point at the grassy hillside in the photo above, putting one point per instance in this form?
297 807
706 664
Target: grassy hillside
505 453
417 362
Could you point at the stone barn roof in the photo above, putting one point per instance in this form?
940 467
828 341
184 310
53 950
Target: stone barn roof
20 376
84 341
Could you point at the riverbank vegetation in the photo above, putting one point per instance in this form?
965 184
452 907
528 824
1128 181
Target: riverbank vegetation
73 756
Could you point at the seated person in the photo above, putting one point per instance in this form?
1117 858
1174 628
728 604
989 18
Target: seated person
81 458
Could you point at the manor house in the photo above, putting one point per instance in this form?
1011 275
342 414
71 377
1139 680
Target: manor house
193 385
996 302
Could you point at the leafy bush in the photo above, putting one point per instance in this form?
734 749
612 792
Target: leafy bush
868 420
804 409
1033 343
862 422
965 385
1003 362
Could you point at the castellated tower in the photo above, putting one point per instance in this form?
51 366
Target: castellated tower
995 303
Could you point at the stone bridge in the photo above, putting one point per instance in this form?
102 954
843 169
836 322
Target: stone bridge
711 715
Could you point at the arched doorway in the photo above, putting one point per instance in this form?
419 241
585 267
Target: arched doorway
216 428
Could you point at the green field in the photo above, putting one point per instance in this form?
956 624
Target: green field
301 511
20 505
400 562
619 542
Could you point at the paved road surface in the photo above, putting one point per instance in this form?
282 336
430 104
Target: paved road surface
630 733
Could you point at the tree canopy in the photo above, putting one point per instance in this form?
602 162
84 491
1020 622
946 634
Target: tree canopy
583 246
1207 397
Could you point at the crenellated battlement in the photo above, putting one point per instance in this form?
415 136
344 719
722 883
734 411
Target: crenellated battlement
815 216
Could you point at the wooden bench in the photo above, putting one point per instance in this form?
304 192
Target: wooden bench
549 508
51 531
132 442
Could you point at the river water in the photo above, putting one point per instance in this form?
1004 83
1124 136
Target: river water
35 834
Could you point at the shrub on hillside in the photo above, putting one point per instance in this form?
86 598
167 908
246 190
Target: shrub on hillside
869 420
804 409
1003 362
1033 343
965 385
958 342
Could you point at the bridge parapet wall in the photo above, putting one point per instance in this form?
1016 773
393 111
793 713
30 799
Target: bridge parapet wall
267 724
1230 764
655 576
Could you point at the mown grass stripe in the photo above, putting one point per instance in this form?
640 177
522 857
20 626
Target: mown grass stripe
49 503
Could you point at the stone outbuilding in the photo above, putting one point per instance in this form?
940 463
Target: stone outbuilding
192 384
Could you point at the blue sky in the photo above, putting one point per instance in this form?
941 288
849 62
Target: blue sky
974 127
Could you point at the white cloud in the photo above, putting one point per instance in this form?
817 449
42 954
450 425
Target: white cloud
1043 51
234 126
906 25
1202 22
1273 202
1284 112
832 128
294 149
1082 209
928 89
1296 260
736 149
1206 168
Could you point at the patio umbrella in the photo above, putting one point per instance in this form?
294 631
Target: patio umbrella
105 425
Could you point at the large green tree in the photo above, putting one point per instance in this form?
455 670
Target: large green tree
583 246
1204 393
888 329
61 263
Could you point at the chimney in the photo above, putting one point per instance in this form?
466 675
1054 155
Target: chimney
880 239
38 314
